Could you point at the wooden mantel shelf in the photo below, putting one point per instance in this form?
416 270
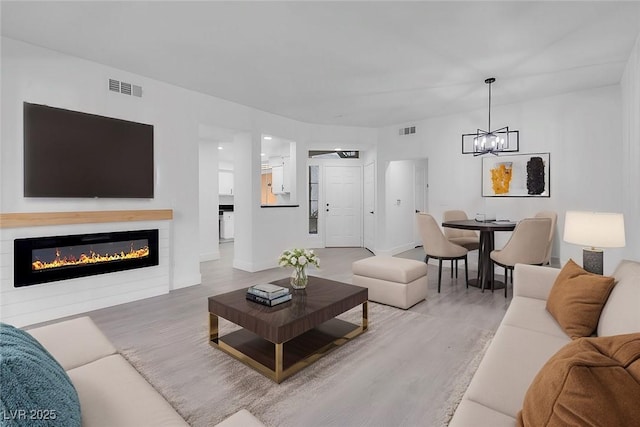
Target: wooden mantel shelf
33 219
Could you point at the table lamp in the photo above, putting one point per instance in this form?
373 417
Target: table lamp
596 230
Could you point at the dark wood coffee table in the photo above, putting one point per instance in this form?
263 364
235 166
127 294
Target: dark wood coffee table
280 341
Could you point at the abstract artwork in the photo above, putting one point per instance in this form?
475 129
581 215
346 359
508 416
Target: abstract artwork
521 175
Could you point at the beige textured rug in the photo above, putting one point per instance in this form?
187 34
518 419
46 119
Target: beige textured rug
392 375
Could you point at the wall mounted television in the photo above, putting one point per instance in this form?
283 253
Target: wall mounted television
72 154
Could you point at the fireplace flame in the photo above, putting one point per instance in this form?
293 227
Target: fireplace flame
92 258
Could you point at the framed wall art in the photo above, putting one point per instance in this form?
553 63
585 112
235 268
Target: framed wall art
520 175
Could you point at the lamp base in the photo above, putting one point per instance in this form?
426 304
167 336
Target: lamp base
592 260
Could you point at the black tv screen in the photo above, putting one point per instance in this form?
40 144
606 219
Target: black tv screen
73 154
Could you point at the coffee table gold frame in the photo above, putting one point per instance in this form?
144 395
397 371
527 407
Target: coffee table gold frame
279 374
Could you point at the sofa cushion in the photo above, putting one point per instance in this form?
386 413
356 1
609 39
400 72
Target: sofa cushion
626 268
74 342
530 313
590 381
621 314
242 418
511 362
113 393
470 413
35 388
576 299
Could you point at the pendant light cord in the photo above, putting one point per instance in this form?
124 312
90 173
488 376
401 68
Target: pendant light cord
489 128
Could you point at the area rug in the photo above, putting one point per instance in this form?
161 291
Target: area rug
407 369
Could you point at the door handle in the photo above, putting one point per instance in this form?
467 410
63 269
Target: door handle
327 210
370 212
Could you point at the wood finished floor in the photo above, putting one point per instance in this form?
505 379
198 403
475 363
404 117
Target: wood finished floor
128 323
455 302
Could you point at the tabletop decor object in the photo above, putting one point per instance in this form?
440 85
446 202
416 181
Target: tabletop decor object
268 294
299 259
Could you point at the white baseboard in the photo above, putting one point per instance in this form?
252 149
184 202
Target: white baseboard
209 256
58 312
396 250
252 267
185 282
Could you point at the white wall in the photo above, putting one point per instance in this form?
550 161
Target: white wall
38 75
581 130
630 88
33 74
208 231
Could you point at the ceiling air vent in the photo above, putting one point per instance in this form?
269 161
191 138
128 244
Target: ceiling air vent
125 88
407 130
114 85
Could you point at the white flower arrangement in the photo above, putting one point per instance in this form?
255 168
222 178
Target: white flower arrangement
298 258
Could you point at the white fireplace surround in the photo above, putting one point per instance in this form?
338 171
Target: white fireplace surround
39 303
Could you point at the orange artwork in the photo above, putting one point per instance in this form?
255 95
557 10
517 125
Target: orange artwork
501 177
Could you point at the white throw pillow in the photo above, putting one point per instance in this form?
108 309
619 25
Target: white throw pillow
626 268
621 313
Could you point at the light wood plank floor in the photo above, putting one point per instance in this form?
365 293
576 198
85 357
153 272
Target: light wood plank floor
455 302
471 309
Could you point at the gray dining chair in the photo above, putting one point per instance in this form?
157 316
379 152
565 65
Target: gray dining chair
468 239
553 216
437 246
527 245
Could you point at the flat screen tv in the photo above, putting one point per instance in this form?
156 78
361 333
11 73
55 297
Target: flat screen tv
73 154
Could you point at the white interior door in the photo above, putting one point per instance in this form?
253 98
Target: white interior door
343 207
420 197
368 200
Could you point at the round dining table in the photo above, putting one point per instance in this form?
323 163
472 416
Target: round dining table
487 229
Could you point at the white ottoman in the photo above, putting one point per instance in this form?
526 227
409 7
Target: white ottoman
398 282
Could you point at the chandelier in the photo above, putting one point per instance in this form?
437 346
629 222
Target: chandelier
488 141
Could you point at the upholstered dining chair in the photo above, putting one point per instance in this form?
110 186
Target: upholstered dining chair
553 216
527 245
437 246
468 239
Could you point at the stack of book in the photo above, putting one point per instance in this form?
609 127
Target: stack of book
268 294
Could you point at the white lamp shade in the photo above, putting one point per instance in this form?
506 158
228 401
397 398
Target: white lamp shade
595 229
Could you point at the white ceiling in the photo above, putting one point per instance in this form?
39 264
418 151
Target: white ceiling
353 63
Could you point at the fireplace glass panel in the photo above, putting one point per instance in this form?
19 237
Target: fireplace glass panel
48 259
70 256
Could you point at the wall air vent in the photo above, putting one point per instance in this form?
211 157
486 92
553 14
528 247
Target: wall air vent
407 130
125 88
114 85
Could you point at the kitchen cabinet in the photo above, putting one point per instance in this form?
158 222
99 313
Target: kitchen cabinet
225 183
226 225
281 177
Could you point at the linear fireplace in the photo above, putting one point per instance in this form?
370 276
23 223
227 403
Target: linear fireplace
49 259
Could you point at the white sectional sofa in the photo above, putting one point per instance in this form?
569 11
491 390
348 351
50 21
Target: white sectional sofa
110 390
528 336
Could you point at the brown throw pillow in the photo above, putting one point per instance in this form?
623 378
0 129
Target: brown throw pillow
576 299
588 382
